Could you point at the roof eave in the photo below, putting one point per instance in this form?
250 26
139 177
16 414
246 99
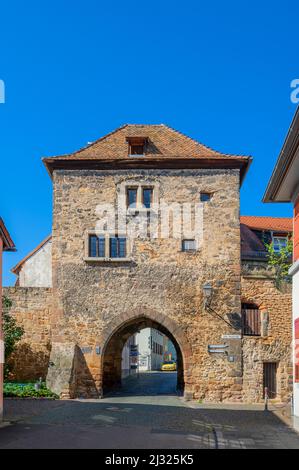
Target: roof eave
284 161
8 244
236 162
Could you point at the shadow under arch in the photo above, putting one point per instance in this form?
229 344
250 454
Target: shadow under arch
119 332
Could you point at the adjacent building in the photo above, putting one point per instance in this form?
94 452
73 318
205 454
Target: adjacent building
125 257
150 348
169 350
35 269
129 360
284 187
6 244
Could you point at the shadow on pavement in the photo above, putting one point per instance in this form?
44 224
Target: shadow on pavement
130 423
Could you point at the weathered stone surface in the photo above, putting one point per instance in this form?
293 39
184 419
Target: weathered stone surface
60 377
275 343
31 307
161 281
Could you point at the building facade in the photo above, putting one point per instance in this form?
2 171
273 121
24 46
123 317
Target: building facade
146 234
6 244
284 187
128 360
150 348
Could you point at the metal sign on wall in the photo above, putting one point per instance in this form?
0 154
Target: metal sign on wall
231 336
217 348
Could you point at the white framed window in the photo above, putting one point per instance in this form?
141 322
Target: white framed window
141 197
106 247
279 243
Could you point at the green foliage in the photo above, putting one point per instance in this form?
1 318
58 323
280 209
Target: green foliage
27 390
12 333
281 262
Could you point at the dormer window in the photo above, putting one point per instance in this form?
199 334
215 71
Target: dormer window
137 146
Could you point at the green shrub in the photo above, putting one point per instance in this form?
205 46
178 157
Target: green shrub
12 334
27 390
280 262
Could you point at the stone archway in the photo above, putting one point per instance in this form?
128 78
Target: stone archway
118 331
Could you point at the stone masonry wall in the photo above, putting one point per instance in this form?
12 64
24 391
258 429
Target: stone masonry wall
275 343
160 282
31 308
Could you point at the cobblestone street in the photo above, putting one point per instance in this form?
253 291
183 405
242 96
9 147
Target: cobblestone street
145 415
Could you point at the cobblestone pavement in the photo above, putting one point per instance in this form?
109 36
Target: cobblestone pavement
145 416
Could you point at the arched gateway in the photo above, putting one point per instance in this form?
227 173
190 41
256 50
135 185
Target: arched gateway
117 333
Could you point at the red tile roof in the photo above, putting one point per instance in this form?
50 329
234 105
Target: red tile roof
163 141
283 224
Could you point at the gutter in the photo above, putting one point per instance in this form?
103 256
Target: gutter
284 161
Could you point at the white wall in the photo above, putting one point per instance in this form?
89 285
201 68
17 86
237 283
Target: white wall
125 359
142 339
148 359
157 358
37 270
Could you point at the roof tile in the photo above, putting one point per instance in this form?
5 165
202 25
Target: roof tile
163 141
284 224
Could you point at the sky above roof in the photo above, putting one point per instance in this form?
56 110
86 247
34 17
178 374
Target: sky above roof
219 72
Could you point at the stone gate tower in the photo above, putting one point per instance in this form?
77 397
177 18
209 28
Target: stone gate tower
108 282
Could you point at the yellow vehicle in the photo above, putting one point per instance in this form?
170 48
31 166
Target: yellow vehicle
168 365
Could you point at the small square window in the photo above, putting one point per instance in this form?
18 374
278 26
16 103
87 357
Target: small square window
205 197
188 245
137 145
136 149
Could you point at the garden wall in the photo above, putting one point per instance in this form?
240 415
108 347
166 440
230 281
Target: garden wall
31 307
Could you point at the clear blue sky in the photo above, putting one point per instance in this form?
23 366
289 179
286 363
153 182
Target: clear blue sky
74 70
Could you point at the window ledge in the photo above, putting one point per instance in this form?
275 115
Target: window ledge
253 336
133 210
91 259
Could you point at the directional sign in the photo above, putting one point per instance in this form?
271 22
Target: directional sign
134 350
133 353
231 336
217 348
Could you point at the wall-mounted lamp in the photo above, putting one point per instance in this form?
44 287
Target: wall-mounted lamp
207 294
